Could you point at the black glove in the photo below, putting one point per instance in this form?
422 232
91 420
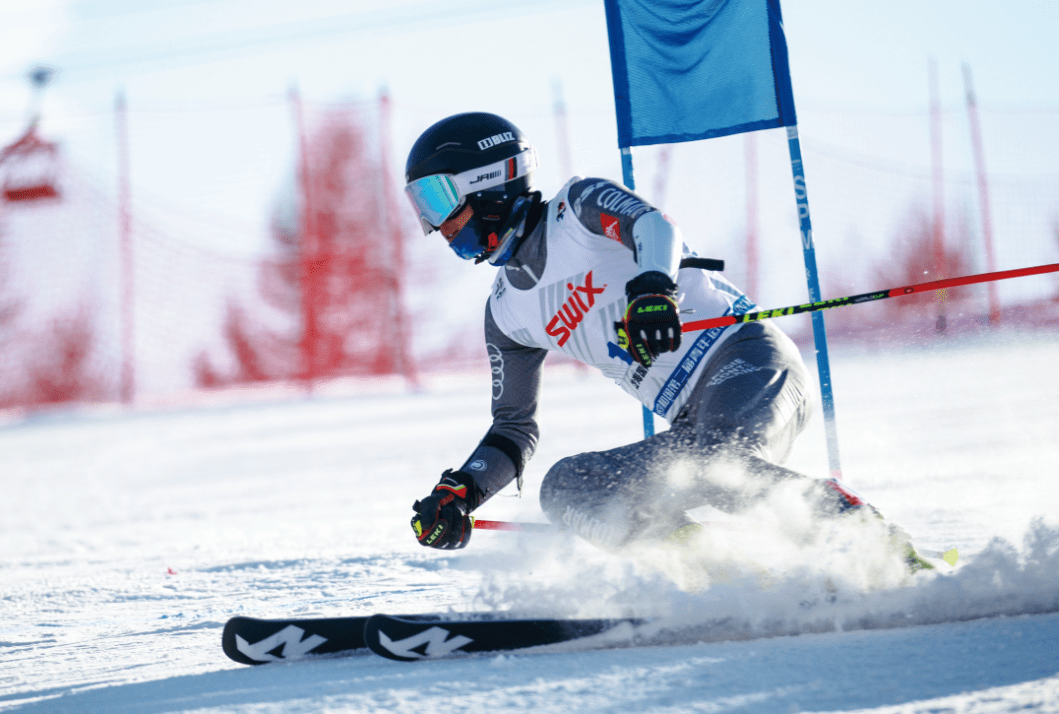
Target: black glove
441 519
651 324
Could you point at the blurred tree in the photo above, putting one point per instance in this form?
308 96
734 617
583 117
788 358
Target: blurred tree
330 301
9 310
911 260
62 369
54 364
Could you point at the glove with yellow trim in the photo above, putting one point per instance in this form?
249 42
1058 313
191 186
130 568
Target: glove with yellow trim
651 324
441 519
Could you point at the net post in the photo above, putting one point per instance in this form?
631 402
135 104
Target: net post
128 267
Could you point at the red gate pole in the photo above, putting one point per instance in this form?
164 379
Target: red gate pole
562 131
407 366
983 192
662 177
752 269
127 299
940 269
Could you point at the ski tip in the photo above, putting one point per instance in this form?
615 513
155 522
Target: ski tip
249 640
382 644
230 644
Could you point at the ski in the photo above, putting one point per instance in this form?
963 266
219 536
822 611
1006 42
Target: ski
249 640
407 640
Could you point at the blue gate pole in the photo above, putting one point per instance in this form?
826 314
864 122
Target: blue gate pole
630 183
827 397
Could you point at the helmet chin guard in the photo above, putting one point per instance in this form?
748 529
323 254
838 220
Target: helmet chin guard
513 232
472 237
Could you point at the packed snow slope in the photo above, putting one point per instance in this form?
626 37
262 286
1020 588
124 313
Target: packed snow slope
127 539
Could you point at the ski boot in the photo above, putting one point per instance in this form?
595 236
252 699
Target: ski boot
850 504
901 545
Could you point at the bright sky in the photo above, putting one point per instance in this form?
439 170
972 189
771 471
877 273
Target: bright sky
207 80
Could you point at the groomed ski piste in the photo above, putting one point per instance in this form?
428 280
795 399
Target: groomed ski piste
129 537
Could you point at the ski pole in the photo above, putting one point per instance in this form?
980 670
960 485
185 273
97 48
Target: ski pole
948 556
484 525
525 527
726 320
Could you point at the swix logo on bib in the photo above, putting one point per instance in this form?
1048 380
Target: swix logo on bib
489 141
574 310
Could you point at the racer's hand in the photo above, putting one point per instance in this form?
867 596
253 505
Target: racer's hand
651 324
441 519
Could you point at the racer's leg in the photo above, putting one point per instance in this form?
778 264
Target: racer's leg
612 497
746 409
753 396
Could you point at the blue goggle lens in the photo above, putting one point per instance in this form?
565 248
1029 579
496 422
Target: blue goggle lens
434 198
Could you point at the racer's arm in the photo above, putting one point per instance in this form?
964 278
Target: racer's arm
512 439
441 519
614 212
651 324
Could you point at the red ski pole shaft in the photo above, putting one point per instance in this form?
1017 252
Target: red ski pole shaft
524 527
868 297
484 525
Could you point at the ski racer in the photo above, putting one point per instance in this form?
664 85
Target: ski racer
600 275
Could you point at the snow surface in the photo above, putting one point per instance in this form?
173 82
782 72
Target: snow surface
127 539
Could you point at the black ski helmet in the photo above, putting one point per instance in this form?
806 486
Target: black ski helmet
446 165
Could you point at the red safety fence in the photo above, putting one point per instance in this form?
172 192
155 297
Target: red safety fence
110 295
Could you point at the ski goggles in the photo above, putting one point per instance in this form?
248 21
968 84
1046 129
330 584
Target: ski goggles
435 198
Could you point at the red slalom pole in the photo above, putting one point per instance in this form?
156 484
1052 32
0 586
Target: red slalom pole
726 320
